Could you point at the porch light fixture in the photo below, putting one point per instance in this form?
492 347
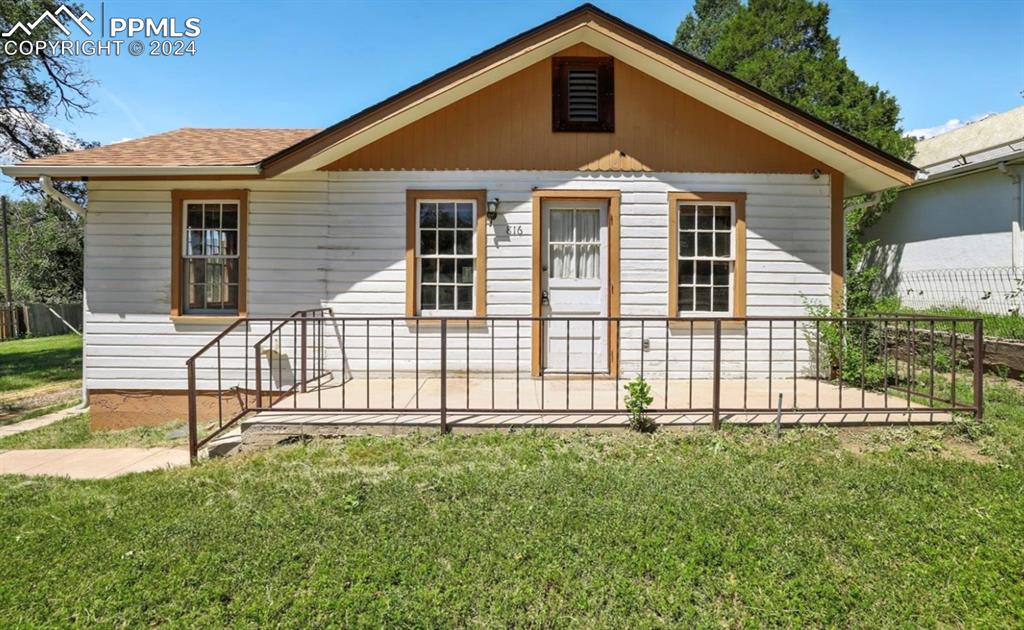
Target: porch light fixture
492 209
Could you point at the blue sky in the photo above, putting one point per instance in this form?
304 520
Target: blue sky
295 64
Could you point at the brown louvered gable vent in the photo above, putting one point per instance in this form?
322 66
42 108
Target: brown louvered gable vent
583 94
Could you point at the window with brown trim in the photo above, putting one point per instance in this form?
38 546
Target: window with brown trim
445 252
208 252
583 94
707 255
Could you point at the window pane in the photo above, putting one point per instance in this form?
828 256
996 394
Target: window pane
588 226
587 263
212 242
705 215
465 215
428 297
212 219
721 274
195 271
723 218
465 294
428 270
686 272
230 243
687 217
446 297
464 273
686 244
194 243
721 300
447 270
561 226
703 272
446 241
428 242
446 215
195 215
561 261
686 299
196 294
428 215
229 216
464 242
704 244
722 244
702 299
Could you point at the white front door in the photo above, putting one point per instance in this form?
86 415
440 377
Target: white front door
575 284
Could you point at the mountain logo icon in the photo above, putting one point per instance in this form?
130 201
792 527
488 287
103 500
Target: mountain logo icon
79 20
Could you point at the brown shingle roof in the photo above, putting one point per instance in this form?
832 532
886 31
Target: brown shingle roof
185 147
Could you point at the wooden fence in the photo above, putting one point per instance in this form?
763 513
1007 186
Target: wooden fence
39 320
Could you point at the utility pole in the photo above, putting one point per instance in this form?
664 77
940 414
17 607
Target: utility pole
7 269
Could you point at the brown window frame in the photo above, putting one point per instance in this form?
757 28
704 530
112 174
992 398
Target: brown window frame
739 297
605 67
178 199
412 199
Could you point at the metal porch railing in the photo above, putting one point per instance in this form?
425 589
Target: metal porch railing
437 372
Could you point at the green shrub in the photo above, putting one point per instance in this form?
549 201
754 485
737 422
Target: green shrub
637 400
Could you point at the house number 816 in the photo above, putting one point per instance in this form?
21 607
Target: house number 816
514 230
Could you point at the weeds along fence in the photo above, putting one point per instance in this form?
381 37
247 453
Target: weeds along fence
701 371
39 320
992 290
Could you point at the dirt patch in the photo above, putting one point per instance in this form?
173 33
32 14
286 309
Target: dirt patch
930 441
960 449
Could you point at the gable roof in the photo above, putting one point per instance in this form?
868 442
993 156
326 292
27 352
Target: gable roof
866 168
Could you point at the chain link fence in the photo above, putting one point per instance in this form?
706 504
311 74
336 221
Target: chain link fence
992 290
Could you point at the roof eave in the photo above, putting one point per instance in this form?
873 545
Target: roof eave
28 170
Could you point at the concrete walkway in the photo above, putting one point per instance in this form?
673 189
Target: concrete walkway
90 463
41 421
82 463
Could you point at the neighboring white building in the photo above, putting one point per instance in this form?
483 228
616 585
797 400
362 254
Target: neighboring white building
953 238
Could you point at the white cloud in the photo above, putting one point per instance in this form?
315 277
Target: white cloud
953 123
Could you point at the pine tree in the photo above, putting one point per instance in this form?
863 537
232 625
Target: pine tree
784 47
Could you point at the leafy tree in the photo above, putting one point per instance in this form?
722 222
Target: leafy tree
45 240
46 252
784 47
38 87
700 30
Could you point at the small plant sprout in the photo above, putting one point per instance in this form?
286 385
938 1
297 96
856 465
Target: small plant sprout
637 400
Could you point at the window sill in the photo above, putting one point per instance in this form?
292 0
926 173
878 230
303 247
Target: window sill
707 324
206 319
456 321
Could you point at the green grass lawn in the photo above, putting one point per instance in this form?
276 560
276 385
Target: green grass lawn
540 529
74 432
28 363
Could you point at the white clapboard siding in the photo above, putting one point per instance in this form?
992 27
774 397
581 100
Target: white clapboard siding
338 240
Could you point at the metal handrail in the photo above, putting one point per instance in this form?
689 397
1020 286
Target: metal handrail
900 338
190 364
